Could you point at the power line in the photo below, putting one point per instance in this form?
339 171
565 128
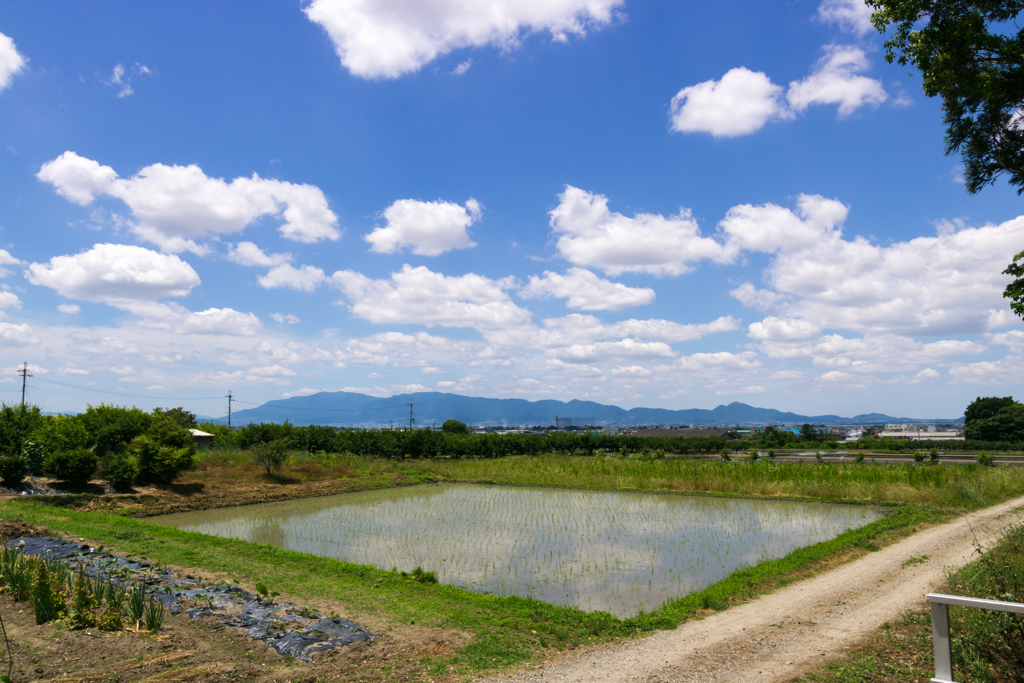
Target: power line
121 393
329 410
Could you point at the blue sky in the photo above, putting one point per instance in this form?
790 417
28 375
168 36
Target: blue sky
648 204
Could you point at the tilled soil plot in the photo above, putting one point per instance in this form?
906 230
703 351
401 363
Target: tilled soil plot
204 649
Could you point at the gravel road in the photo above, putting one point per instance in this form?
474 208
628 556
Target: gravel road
793 631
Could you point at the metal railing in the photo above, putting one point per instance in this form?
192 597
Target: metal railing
940 627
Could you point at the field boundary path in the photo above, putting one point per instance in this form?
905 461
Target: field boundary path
796 629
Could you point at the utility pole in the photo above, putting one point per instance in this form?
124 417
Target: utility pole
411 418
24 378
230 399
392 425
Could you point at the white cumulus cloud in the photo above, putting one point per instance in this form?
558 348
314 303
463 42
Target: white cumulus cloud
739 104
592 236
421 296
788 329
849 15
248 254
11 61
744 100
770 228
302 279
388 38
836 80
17 335
586 291
428 228
113 273
174 206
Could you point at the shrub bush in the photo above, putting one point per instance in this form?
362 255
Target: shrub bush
270 456
74 467
13 469
120 470
34 456
160 464
61 433
985 460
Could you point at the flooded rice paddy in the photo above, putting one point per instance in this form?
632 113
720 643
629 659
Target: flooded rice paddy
597 550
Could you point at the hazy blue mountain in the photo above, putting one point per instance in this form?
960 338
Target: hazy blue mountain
351 409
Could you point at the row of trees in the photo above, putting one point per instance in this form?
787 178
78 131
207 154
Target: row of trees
126 445
453 441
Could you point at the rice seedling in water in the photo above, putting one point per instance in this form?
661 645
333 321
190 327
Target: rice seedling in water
592 549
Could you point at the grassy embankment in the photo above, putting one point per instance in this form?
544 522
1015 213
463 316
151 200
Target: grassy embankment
988 647
953 488
508 630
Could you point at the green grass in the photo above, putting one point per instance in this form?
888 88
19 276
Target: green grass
505 630
950 487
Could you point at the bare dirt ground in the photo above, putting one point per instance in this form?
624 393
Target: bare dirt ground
204 650
795 630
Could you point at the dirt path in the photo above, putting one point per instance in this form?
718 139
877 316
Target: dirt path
794 630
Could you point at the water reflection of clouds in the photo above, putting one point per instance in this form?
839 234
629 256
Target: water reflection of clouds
594 549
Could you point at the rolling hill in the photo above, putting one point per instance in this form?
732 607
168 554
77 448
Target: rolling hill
351 409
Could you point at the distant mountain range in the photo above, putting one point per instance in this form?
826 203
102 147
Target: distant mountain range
342 408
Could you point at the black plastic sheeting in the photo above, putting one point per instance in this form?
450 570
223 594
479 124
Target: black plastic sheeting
290 630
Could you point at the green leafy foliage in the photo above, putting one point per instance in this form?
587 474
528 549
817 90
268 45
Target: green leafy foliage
989 646
34 456
13 469
969 54
994 419
111 428
47 603
61 433
265 593
455 427
75 467
153 616
164 452
270 456
1015 290
16 423
83 602
179 416
160 464
121 470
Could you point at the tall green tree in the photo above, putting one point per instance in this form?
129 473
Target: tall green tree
971 54
993 418
984 408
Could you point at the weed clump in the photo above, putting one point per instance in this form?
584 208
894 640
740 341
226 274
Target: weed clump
420 575
47 603
82 604
989 646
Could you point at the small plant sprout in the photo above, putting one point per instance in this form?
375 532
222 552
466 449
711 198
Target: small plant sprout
265 593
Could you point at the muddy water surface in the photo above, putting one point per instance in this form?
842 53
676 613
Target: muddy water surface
597 550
